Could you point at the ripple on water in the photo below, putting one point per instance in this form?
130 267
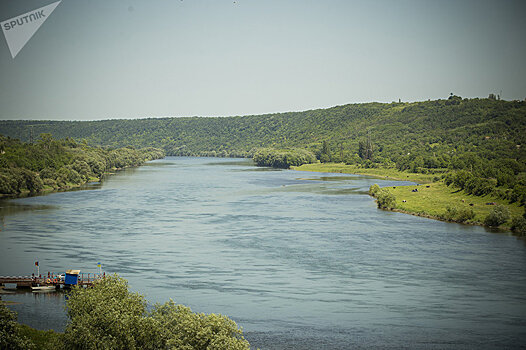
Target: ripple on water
300 261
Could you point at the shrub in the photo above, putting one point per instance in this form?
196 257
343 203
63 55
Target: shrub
32 181
385 199
10 337
518 225
8 184
450 214
465 215
373 190
456 215
187 330
498 215
108 316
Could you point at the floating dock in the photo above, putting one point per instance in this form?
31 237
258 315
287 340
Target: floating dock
83 279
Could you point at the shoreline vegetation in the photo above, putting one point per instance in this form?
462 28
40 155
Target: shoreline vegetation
51 165
434 199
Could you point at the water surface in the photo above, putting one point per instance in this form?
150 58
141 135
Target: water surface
300 260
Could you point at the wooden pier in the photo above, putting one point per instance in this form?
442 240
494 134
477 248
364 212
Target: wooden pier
84 279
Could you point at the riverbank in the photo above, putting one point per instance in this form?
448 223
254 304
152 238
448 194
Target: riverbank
49 164
432 198
69 186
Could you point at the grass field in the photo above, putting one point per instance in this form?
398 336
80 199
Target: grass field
432 198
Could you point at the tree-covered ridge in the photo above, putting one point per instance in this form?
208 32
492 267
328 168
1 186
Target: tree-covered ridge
197 135
485 137
60 164
432 132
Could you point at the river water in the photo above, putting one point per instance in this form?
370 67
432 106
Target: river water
299 260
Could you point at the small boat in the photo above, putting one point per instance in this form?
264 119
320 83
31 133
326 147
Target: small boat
43 289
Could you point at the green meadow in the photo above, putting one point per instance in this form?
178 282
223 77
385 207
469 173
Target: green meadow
432 198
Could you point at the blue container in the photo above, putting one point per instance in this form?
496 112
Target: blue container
72 277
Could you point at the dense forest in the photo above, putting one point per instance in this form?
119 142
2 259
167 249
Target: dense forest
482 137
50 164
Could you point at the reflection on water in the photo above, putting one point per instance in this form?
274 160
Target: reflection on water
300 260
43 310
8 207
229 162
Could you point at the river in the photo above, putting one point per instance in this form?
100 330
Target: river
299 260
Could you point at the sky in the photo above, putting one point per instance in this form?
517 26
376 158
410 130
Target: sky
104 59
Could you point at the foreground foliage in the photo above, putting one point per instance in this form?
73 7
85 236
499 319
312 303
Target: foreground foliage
109 316
10 335
184 329
60 164
42 340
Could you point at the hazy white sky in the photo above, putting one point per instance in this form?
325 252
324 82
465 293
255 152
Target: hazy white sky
102 59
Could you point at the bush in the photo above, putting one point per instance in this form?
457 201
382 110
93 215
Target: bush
8 184
449 214
498 215
32 181
188 330
10 337
108 316
385 199
518 226
465 215
373 190
455 215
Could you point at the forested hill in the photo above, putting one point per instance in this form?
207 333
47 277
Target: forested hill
430 134
49 164
195 135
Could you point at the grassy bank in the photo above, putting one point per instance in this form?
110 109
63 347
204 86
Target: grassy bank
384 173
432 199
